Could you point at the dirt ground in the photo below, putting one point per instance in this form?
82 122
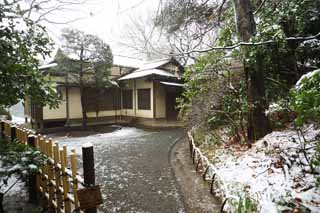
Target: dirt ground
195 192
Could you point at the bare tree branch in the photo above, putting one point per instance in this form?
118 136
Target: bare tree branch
317 36
259 8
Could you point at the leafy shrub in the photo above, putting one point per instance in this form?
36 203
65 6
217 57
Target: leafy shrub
18 160
243 203
305 98
4 112
316 162
215 95
280 114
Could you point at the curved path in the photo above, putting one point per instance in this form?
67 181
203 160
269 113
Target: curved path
134 170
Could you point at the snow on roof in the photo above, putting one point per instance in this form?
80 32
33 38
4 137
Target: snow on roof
87 145
171 84
154 64
126 61
114 83
143 73
45 66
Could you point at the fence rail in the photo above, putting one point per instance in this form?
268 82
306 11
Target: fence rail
209 174
57 182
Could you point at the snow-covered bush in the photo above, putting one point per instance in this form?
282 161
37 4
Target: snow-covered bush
305 98
5 113
17 161
280 114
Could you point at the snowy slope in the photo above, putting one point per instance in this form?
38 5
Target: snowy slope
274 171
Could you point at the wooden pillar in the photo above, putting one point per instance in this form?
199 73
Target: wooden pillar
33 198
135 105
154 86
88 169
13 133
2 130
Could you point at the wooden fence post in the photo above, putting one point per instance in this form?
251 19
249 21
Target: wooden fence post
2 130
57 175
88 169
13 133
74 176
65 183
33 198
50 175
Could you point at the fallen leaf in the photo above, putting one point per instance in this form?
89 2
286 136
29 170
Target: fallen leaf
270 171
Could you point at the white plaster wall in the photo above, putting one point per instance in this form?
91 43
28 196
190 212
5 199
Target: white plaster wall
160 98
75 108
58 113
141 83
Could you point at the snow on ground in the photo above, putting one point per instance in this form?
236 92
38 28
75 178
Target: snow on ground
132 168
14 186
17 120
117 136
274 171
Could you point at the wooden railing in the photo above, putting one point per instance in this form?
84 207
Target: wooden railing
57 182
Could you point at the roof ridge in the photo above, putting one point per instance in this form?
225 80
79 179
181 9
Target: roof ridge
157 60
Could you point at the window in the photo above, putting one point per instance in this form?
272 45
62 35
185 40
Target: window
144 99
127 99
101 99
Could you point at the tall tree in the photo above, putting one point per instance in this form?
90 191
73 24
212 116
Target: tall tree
205 18
258 123
88 54
22 41
276 50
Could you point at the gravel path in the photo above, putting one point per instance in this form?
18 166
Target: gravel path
133 169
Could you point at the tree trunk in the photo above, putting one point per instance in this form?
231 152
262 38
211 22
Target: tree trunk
67 102
81 85
258 123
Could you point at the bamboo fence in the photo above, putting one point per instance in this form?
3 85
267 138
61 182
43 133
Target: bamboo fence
57 181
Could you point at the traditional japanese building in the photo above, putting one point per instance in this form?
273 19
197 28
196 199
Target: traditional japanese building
145 94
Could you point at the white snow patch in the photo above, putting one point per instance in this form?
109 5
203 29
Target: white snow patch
273 107
271 170
119 136
307 75
17 120
33 167
87 145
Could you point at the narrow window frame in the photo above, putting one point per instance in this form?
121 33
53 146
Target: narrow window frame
144 99
126 103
